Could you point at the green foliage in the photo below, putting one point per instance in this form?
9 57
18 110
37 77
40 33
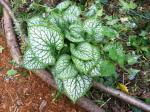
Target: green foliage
77 86
132 73
81 44
11 72
132 58
127 6
63 28
107 68
116 53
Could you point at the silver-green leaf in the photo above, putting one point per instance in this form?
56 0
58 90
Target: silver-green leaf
35 21
63 5
44 42
56 20
85 51
31 62
75 10
94 28
76 33
70 18
91 11
84 66
77 86
96 71
64 68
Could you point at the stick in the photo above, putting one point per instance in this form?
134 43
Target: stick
129 99
4 3
11 37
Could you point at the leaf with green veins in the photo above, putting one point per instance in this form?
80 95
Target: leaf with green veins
76 33
63 5
84 66
64 67
58 81
77 86
132 73
132 58
85 51
108 32
72 38
11 72
70 18
94 29
44 42
35 21
1 49
75 10
31 62
56 20
96 71
107 68
91 11
91 24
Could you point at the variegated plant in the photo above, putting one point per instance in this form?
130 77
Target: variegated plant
65 41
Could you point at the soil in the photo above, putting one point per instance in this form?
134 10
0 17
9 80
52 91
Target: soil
26 92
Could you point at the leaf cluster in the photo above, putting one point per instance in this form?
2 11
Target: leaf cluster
80 44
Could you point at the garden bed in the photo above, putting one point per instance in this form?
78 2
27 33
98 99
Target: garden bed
83 101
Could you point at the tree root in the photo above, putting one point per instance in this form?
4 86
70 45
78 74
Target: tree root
47 77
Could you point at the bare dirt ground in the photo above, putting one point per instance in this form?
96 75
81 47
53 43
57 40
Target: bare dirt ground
30 93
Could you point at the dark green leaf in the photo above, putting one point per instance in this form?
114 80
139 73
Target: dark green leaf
107 68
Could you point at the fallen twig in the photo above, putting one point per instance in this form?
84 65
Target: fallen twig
11 37
129 99
44 75
4 3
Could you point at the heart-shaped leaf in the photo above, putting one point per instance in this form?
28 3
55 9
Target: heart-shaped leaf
44 41
85 51
56 20
76 11
31 62
35 21
94 29
70 18
63 5
65 68
96 71
77 86
92 24
76 33
84 66
91 11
